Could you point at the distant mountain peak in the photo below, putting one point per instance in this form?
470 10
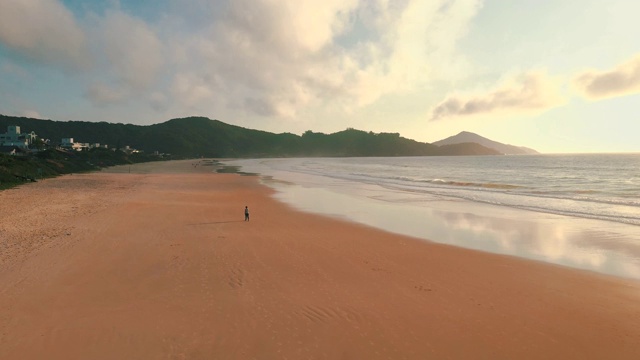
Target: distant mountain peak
469 137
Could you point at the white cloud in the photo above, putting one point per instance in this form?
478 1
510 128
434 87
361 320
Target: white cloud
255 57
43 31
259 56
623 80
304 26
132 48
191 89
131 59
277 58
528 93
426 38
101 94
158 101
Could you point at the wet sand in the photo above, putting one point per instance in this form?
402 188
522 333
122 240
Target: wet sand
158 263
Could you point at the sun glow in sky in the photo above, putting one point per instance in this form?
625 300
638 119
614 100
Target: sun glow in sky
553 75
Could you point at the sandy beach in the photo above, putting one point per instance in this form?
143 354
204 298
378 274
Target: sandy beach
154 261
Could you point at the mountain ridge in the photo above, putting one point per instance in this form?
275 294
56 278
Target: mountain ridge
466 137
201 136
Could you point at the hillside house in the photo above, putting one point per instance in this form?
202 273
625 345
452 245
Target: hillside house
68 143
13 137
129 150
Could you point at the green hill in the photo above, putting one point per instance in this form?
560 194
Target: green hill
199 136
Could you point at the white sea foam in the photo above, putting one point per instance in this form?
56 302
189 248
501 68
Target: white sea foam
589 186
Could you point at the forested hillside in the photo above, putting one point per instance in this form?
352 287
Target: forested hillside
199 136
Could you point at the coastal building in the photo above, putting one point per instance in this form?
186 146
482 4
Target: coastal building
68 143
13 137
129 150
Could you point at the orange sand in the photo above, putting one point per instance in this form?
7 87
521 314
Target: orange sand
159 264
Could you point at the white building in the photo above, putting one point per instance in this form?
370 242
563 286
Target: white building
68 143
129 150
13 137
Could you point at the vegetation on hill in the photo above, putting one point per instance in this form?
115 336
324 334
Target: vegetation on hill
194 137
15 170
199 136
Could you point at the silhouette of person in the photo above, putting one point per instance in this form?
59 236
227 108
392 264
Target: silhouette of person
246 213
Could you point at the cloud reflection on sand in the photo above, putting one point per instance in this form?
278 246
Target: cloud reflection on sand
600 246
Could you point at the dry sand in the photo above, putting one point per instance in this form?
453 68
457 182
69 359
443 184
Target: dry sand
159 264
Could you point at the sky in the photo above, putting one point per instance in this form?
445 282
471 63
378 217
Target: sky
554 75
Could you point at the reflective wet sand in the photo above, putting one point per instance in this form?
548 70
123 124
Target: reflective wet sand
601 246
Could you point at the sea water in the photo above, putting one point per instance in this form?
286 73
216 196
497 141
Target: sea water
581 210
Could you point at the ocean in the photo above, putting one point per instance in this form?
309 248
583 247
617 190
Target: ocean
578 210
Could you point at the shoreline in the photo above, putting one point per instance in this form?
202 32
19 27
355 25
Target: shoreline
159 263
594 245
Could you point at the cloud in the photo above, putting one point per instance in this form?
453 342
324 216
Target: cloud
278 58
43 31
267 57
191 90
101 94
131 58
133 50
305 26
248 57
623 80
158 101
529 93
425 41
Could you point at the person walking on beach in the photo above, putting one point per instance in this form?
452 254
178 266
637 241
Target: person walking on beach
246 213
